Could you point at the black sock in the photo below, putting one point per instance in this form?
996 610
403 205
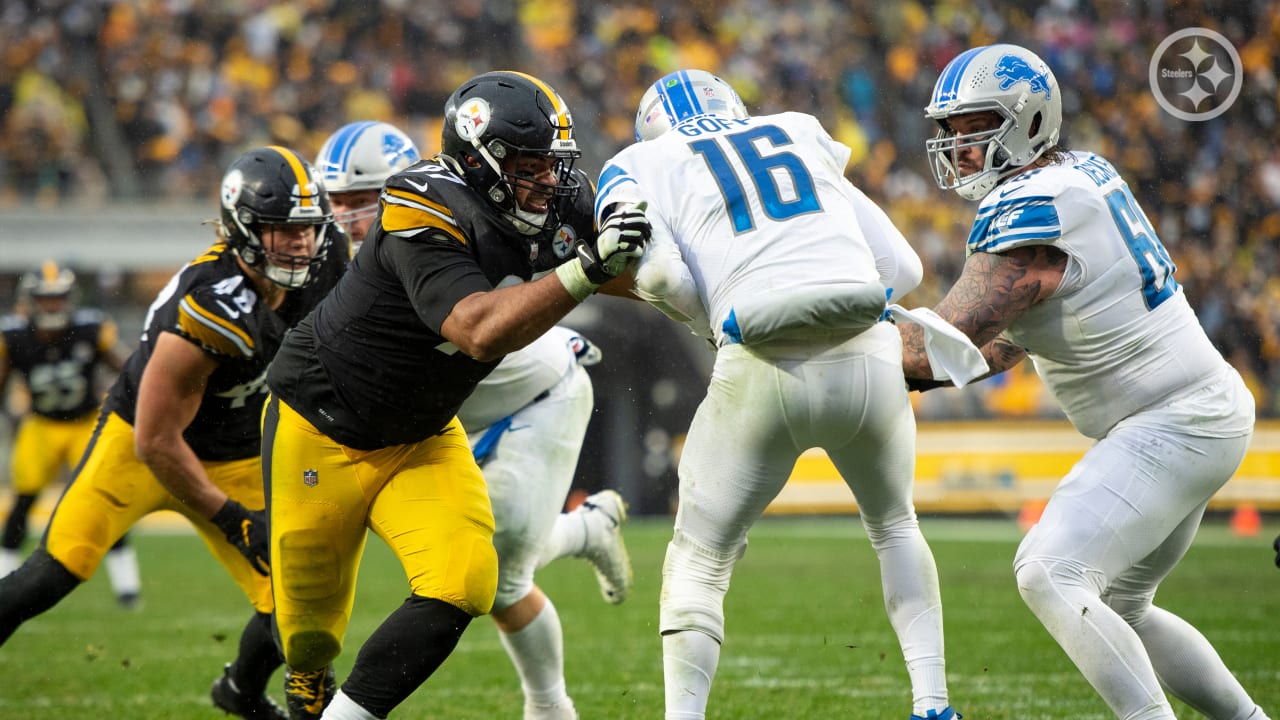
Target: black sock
258 659
15 528
32 589
403 652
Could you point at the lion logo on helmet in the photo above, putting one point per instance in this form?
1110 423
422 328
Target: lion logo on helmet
1011 70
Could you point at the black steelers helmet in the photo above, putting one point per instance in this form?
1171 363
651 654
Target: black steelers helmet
504 114
274 186
52 284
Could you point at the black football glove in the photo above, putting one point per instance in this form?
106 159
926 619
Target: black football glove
247 531
1276 545
922 384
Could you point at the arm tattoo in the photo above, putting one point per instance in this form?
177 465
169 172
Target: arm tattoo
993 291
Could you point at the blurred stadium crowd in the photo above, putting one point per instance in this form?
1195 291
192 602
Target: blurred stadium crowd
144 100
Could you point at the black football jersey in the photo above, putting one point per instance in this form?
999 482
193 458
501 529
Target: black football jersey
60 374
369 366
212 303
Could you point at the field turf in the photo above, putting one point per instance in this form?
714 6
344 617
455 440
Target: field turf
807 633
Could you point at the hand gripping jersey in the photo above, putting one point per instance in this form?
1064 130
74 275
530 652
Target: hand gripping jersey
60 373
1118 335
764 217
369 367
212 303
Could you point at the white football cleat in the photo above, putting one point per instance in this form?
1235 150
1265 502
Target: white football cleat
605 513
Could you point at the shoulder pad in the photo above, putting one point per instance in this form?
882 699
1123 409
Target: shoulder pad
425 197
215 316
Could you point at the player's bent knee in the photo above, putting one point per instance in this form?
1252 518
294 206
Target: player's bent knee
311 650
1044 582
468 579
512 589
695 579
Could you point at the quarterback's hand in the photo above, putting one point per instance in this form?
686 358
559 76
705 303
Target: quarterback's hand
247 531
622 239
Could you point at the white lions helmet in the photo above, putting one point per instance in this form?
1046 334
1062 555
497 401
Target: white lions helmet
361 156
1011 81
682 95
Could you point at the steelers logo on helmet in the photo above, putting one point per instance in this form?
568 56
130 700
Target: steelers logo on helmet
232 185
562 242
473 118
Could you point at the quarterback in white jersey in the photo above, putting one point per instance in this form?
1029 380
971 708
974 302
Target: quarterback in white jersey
760 244
526 422
1063 266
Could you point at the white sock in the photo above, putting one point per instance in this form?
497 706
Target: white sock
10 560
568 538
909 575
122 569
689 660
537 651
344 708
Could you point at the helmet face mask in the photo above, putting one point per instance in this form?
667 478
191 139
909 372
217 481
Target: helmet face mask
682 95
1014 84
510 136
267 188
49 293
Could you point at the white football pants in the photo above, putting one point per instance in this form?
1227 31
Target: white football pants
530 473
1115 526
762 410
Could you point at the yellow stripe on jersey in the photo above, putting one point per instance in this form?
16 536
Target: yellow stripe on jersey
407 213
562 113
212 331
308 191
213 252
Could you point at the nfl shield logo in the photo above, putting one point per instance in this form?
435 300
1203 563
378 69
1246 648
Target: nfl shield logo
310 478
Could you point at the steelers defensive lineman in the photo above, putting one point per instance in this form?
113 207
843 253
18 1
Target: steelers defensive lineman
58 350
180 429
473 256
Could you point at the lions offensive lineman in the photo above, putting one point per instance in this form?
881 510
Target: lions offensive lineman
1063 267
354 163
761 243
58 349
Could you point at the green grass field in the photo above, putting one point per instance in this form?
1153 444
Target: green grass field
807 633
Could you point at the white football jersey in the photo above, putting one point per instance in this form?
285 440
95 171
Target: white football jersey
761 210
521 376
1118 335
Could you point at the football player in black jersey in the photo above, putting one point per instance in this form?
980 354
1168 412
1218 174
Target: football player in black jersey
180 429
475 253
58 349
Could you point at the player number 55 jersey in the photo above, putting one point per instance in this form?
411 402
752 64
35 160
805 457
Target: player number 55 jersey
60 373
